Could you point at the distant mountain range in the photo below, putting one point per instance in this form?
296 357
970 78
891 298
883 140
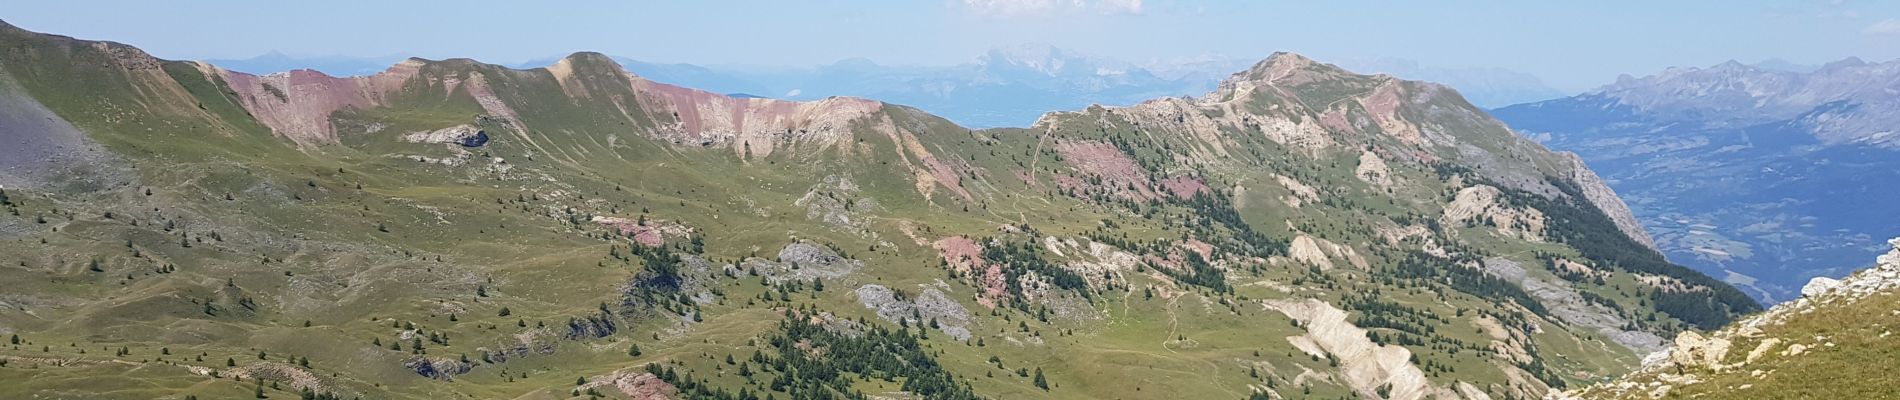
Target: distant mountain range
1485 87
334 65
1004 87
1768 174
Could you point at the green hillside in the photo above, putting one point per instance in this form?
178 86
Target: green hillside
453 229
1833 343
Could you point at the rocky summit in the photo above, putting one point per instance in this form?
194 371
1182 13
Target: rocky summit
457 229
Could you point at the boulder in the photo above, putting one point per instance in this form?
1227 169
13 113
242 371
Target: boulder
1819 285
1693 349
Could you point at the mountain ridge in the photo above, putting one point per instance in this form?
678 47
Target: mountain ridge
1311 233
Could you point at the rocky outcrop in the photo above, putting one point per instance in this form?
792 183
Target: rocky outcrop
1317 252
1365 366
648 232
441 368
1372 169
538 341
1819 285
635 384
837 202
591 327
1485 205
1692 349
1095 261
801 261
297 378
929 307
464 135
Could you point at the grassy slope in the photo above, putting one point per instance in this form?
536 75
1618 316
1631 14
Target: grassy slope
299 238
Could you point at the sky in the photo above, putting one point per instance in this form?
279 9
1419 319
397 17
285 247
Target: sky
1571 45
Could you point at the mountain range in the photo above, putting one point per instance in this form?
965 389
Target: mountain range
1004 87
1766 176
453 228
274 62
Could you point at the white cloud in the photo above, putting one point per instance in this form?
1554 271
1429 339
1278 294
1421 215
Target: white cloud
1122 6
1887 27
1038 8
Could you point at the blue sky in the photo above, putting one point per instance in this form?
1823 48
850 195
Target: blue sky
1572 45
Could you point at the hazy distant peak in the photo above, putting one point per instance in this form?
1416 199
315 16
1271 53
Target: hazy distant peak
277 61
1732 64
1778 64
1041 58
1849 62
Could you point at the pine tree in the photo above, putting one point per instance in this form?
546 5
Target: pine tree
1041 382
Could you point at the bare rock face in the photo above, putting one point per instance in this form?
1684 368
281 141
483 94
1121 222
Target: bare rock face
1366 366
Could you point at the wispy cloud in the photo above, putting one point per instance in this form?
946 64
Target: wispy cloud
1886 27
1039 8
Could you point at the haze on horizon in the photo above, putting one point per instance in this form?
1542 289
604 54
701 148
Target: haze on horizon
1571 46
